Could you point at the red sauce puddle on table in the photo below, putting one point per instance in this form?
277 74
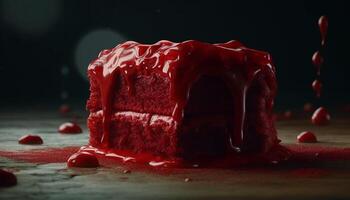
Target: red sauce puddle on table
299 154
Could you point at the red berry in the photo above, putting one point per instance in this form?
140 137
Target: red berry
83 160
320 117
306 137
69 127
30 139
7 179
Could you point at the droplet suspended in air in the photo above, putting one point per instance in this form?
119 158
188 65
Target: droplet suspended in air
317 61
323 25
317 87
321 117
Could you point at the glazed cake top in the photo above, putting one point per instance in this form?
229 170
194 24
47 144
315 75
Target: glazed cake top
183 63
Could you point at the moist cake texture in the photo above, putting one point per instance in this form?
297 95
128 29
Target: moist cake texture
187 99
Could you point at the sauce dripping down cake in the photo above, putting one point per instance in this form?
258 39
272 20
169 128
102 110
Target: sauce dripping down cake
182 100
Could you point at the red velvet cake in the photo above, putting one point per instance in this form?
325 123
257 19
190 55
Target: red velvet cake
182 100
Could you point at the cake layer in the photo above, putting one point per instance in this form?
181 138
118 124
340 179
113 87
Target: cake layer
147 94
137 132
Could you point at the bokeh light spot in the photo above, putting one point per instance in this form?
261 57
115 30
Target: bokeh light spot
33 17
91 44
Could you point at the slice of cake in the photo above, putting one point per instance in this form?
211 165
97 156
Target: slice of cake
185 100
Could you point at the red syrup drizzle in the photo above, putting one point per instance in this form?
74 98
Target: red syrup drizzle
307 137
321 116
30 139
323 25
277 154
182 64
69 127
83 160
299 154
7 179
317 87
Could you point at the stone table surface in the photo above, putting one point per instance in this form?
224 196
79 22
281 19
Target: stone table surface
55 181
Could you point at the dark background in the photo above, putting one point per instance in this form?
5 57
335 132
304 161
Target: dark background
44 53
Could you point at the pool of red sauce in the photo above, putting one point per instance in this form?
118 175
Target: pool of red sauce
300 155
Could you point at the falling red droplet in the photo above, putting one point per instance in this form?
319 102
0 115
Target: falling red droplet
317 87
64 109
307 137
308 107
7 179
69 127
320 117
83 160
30 139
317 61
288 114
188 180
323 25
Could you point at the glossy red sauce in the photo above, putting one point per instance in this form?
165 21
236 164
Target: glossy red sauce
317 87
299 155
321 116
323 25
317 60
30 139
69 127
83 160
307 137
7 178
183 63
